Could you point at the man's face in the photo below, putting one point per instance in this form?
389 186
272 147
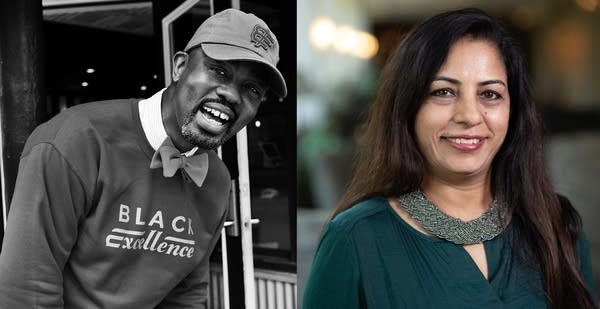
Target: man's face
215 99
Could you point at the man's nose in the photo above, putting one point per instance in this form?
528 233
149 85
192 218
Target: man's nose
229 92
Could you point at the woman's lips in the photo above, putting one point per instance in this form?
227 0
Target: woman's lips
465 143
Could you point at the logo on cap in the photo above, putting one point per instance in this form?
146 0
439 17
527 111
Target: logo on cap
261 37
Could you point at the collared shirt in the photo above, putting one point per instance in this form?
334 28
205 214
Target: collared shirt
151 118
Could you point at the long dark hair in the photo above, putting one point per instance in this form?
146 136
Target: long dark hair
389 162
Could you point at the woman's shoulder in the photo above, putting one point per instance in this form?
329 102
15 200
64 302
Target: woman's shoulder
368 212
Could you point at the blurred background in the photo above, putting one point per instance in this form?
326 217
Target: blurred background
342 46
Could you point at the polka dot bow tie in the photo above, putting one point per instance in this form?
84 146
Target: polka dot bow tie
194 167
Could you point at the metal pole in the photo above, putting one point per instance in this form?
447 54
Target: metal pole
2 179
246 219
22 70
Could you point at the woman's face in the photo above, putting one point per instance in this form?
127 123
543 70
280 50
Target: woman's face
464 118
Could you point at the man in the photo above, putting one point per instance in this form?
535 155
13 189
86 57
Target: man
118 204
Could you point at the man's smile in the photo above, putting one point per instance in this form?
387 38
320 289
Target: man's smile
214 117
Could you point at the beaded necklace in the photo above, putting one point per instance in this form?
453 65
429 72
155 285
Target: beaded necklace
485 227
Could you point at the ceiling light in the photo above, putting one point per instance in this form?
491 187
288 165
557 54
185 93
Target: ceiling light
322 32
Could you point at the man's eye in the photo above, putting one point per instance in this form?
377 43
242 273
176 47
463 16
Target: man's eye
219 70
255 90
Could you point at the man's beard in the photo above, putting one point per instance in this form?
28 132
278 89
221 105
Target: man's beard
198 138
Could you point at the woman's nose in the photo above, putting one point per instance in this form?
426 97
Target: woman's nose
467 111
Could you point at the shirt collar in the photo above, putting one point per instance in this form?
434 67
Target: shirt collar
151 118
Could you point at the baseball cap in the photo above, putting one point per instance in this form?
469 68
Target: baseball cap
234 35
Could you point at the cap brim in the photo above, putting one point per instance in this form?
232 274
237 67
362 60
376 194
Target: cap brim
230 52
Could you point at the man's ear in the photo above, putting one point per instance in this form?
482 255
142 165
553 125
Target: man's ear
180 61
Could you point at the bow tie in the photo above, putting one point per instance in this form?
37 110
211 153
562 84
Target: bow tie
171 159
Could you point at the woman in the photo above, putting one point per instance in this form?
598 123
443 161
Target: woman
450 205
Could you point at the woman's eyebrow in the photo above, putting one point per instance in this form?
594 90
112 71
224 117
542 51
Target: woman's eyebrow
457 82
448 79
492 81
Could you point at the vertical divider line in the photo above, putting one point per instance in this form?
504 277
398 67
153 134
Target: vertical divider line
246 219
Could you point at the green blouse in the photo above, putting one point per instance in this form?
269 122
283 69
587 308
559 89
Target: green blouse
369 257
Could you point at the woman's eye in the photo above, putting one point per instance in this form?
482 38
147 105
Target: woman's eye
491 95
445 92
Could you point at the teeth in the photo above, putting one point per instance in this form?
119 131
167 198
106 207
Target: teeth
469 141
216 113
212 121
